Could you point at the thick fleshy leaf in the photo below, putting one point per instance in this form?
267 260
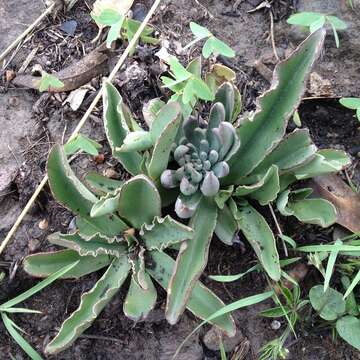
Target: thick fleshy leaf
191 260
202 302
44 264
296 149
312 211
330 303
151 110
92 303
226 226
117 127
348 327
106 204
139 201
139 302
92 247
164 232
69 191
102 184
136 141
225 95
260 237
185 206
223 196
268 126
161 152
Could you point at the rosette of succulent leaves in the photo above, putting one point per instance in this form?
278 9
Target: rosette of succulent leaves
217 173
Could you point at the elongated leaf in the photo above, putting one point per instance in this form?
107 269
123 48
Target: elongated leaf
330 266
350 103
92 303
151 110
226 226
276 106
106 205
260 237
191 260
164 232
296 149
116 128
202 302
162 148
139 201
140 302
353 284
305 18
11 328
136 141
94 246
348 327
45 264
70 192
102 184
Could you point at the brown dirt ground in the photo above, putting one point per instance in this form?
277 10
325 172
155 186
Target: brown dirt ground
113 336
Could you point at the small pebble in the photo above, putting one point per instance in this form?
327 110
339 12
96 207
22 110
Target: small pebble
43 224
99 159
276 325
69 27
211 339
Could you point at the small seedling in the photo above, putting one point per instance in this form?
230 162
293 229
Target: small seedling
49 82
353 104
212 45
314 21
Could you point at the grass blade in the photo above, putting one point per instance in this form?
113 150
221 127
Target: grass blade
330 266
352 285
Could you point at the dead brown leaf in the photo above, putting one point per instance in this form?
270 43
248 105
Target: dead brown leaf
346 201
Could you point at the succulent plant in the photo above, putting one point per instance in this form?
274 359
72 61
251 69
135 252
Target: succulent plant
126 236
202 155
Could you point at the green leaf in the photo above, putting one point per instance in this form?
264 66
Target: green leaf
218 47
92 303
226 226
316 25
199 31
305 18
94 246
267 128
322 248
116 128
139 302
82 142
330 266
226 95
350 103
297 119
136 141
329 304
69 191
191 260
231 278
336 36
161 152
202 302
178 71
166 115
288 240
223 196
336 22
194 67
38 287
11 328
45 264
114 31
348 327
276 312
352 286
49 82
164 232
151 110
261 238
102 184
139 201
294 150
108 17
351 305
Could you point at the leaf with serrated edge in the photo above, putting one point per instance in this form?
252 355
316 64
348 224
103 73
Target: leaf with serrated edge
44 264
106 204
92 303
261 238
70 192
226 226
102 184
269 123
191 260
202 302
116 129
161 152
94 246
139 201
139 302
163 232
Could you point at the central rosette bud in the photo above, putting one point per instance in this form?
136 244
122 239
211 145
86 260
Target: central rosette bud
201 154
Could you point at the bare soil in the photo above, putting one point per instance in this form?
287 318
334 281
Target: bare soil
32 123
